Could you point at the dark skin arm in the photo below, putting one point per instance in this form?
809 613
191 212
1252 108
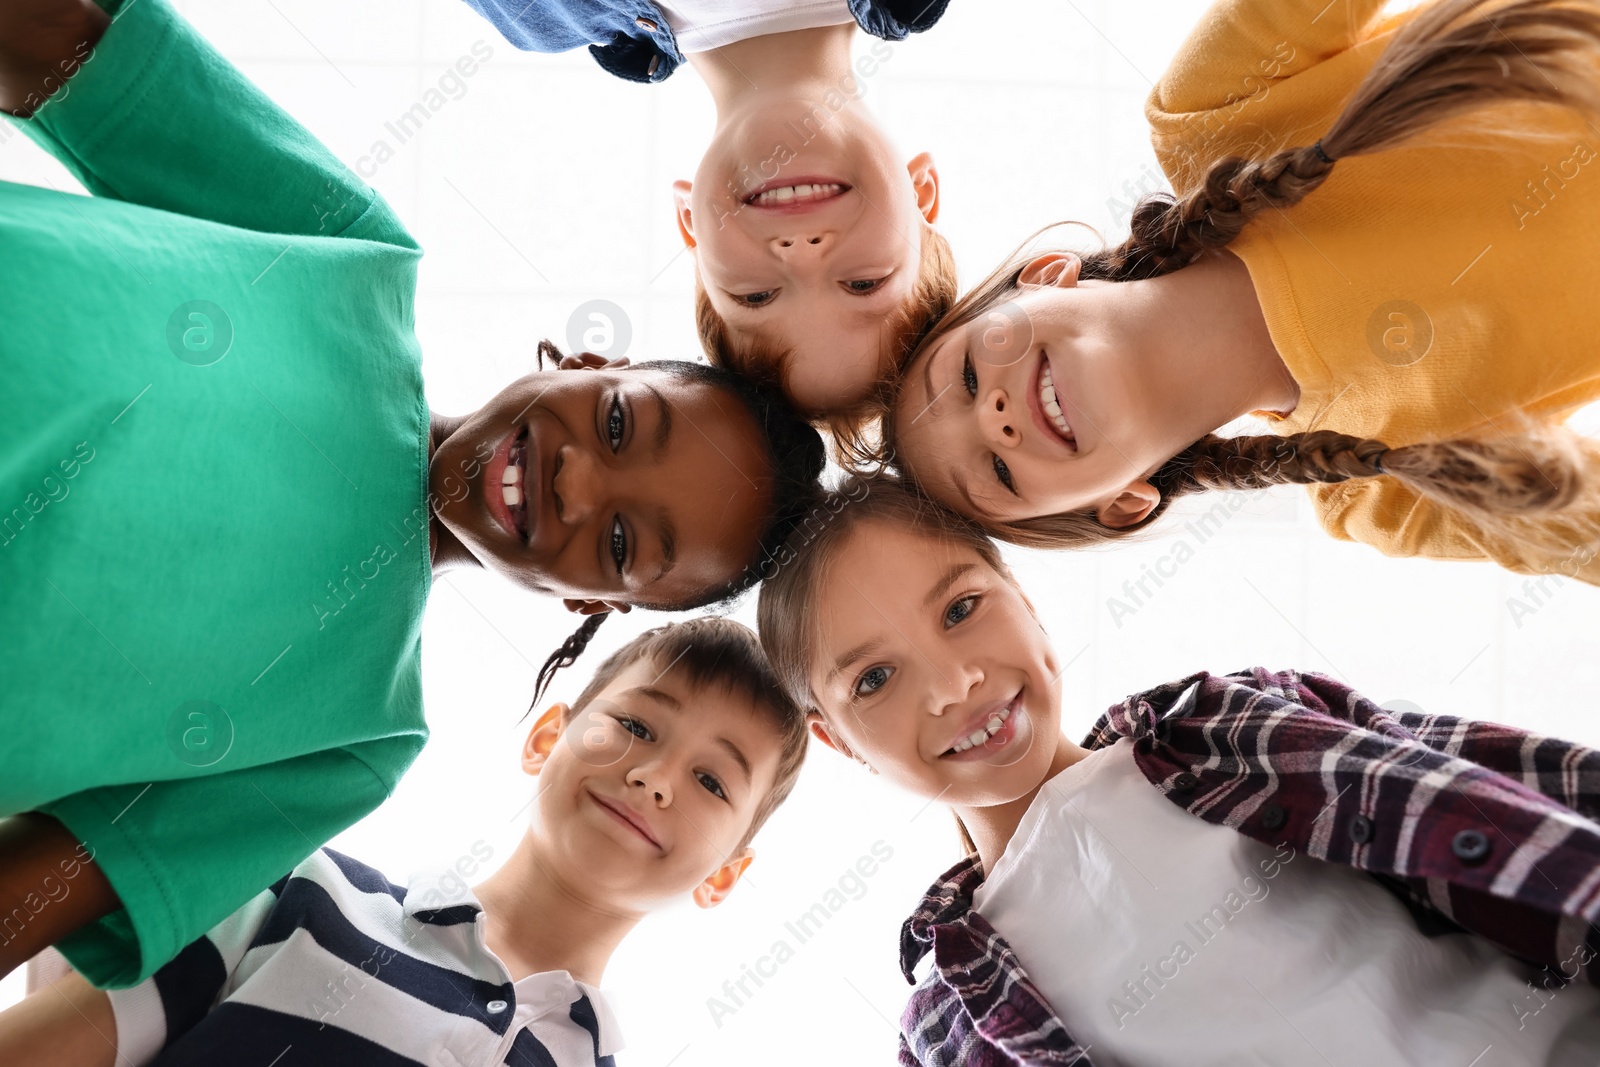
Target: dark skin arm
48 887
42 44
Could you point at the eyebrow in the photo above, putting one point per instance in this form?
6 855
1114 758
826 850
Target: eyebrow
940 587
738 757
850 656
663 421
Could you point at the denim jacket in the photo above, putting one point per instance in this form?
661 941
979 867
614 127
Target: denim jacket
631 39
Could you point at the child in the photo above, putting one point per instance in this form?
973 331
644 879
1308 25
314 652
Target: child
817 266
1411 322
1390 884
651 785
224 495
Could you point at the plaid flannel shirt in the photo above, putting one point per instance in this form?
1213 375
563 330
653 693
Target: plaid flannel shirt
1474 825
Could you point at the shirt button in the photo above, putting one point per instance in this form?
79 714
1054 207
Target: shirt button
1185 782
645 24
495 1007
1361 829
1470 846
650 71
1273 817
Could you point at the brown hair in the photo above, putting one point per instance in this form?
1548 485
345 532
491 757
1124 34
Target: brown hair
716 652
786 610
763 361
1450 58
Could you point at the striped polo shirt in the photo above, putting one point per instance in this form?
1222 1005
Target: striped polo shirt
335 964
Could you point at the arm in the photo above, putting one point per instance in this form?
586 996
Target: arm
1398 522
42 44
155 116
1213 101
68 1024
50 886
186 853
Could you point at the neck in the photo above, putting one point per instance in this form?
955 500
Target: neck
746 73
1199 337
534 922
444 548
991 828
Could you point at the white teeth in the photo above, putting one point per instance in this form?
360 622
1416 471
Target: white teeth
791 193
512 475
1049 402
978 737
511 495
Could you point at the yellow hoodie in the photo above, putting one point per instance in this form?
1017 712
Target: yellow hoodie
1432 291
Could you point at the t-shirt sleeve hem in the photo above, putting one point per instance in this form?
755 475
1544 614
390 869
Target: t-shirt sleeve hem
141 1022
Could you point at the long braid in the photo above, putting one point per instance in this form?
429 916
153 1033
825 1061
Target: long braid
566 655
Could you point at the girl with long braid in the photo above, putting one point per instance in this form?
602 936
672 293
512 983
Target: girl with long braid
1382 242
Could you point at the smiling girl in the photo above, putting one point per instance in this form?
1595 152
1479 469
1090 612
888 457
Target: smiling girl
1405 303
212 656
1227 869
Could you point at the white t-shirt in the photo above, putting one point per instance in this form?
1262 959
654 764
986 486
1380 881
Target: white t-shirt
1160 938
701 25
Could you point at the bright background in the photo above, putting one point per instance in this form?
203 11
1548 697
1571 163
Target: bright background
546 185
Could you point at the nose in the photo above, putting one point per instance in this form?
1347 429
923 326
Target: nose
999 420
952 685
810 244
654 778
576 484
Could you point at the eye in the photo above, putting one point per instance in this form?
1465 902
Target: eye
969 377
1003 472
619 543
713 786
636 728
755 300
872 679
960 609
862 286
616 423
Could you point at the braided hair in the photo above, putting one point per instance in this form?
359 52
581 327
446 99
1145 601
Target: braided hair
1450 58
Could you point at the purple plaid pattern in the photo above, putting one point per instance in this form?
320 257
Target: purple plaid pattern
1474 825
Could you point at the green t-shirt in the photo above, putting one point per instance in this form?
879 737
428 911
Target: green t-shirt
213 476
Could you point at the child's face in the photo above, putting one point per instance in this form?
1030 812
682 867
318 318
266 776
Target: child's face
646 793
921 647
819 273
632 486
973 420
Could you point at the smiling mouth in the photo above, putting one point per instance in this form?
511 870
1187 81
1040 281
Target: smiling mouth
985 732
625 819
1048 405
512 482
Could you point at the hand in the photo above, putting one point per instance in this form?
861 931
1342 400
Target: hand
42 44
590 361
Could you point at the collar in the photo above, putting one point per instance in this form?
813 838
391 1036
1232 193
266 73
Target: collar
439 896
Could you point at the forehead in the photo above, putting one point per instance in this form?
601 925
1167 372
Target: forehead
880 571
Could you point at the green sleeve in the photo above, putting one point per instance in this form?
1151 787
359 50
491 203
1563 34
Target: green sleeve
183 855
155 116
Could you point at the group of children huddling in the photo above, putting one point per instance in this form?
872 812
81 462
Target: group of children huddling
231 498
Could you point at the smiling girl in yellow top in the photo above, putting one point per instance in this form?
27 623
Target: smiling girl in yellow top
1414 314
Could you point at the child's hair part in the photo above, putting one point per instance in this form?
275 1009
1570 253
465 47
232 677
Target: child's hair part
1452 57
795 450
764 360
713 652
786 611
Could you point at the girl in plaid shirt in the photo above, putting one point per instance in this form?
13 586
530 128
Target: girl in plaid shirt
1257 868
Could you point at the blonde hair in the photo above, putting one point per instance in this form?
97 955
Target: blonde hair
764 361
1450 58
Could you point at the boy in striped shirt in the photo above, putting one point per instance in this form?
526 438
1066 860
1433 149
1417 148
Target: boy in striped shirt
651 785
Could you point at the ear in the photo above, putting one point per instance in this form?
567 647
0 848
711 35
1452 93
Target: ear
590 361
1130 506
820 731
595 607
925 183
720 882
542 738
1058 269
681 191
